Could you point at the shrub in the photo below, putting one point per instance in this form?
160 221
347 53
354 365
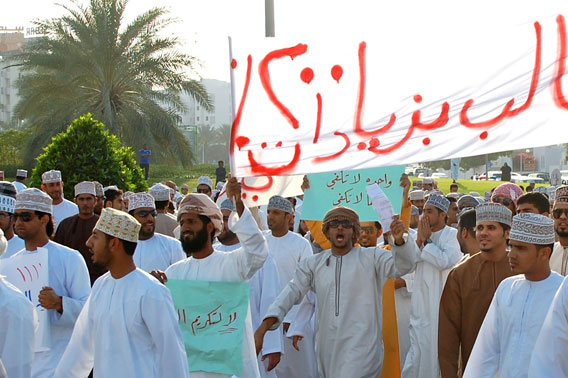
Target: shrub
87 152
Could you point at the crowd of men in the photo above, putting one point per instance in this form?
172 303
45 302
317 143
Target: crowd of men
457 285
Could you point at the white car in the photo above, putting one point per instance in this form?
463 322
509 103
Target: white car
517 177
439 175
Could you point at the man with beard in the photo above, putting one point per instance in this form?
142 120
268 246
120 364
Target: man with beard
439 252
200 221
470 287
52 184
68 277
74 231
128 327
264 288
113 198
154 251
7 220
506 340
559 258
348 282
288 249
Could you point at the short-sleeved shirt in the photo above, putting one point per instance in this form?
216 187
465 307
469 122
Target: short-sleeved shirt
144 156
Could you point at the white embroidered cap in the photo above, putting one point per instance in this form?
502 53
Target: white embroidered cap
493 212
21 173
160 192
417 195
118 224
139 200
439 201
533 229
85 187
51 176
33 199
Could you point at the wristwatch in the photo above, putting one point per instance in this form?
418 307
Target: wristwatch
427 241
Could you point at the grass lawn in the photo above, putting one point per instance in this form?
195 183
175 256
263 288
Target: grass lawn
466 186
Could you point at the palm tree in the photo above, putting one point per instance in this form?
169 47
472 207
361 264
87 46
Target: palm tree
129 77
206 137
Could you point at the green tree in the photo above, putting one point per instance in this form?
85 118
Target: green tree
11 146
128 76
87 152
206 137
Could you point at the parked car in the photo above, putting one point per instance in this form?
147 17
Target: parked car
564 177
543 175
493 176
517 177
439 175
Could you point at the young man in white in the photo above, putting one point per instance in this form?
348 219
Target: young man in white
52 184
154 251
7 220
506 340
128 327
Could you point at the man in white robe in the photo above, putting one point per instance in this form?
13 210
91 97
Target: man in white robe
154 251
348 282
21 176
68 278
288 249
201 220
7 221
128 327
165 223
439 252
264 288
506 340
549 354
559 258
17 327
52 184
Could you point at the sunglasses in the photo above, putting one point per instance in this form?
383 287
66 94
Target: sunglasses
25 217
144 213
337 223
502 200
203 191
557 213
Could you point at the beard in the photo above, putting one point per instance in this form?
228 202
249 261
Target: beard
562 234
196 244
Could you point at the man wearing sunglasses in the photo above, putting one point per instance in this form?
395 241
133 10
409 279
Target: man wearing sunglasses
165 222
559 258
74 231
154 251
348 282
7 220
69 285
507 195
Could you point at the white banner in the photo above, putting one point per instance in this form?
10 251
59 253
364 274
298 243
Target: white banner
434 80
256 191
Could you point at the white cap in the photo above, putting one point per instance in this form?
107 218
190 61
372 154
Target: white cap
21 173
533 229
85 187
33 199
51 176
160 192
118 224
417 195
205 180
493 212
139 200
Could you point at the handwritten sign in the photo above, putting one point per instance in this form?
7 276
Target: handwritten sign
416 89
212 317
256 191
29 273
382 205
349 189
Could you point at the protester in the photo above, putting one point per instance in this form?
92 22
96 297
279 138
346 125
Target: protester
506 340
361 274
440 251
201 221
264 288
507 194
466 233
204 185
113 198
467 201
470 287
128 327
184 188
454 188
74 231
533 202
68 276
428 184
17 326
165 223
453 210
100 201
52 184
288 249
21 176
7 220
559 258
417 199
154 251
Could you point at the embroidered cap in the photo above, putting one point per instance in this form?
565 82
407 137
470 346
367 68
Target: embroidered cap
467 201
85 187
33 199
417 195
280 203
138 200
439 201
21 173
160 192
493 212
118 224
51 176
532 228
561 194
99 189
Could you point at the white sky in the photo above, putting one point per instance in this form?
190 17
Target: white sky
205 24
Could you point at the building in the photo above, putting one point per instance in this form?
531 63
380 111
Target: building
11 42
220 94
